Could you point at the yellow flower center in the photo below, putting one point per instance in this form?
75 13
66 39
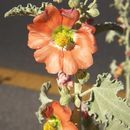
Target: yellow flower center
52 124
49 126
63 37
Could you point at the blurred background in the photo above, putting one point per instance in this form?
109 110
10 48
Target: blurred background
21 76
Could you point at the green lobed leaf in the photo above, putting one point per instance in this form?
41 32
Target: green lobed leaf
104 103
116 125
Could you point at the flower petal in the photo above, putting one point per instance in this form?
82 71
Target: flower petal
37 40
51 56
69 65
83 57
40 28
62 112
49 112
51 16
41 54
47 21
70 16
86 33
69 126
54 61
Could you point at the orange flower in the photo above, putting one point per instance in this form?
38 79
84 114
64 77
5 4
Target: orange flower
59 46
62 115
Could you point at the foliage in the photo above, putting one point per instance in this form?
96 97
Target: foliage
105 105
29 10
44 100
123 39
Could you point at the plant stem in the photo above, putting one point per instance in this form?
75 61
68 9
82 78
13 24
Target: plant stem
127 86
86 92
76 116
85 2
127 49
127 74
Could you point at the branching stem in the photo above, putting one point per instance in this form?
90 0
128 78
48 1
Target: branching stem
86 92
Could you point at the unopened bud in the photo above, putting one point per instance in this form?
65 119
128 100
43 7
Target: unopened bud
64 80
120 20
58 1
74 3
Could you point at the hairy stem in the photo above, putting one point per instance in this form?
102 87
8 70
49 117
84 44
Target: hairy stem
86 92
127 60
127 49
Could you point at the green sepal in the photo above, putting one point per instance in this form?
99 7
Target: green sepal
82 76
77 92
65 95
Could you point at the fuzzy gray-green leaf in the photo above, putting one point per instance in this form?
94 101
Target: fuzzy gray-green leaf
111 35
116 125
44 100
29 10
93 9
105 103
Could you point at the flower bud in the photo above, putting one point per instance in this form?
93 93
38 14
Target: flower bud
118 71
64 80
58 1
74 3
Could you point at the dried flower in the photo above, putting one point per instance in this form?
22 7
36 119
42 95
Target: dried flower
64 80
84 111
